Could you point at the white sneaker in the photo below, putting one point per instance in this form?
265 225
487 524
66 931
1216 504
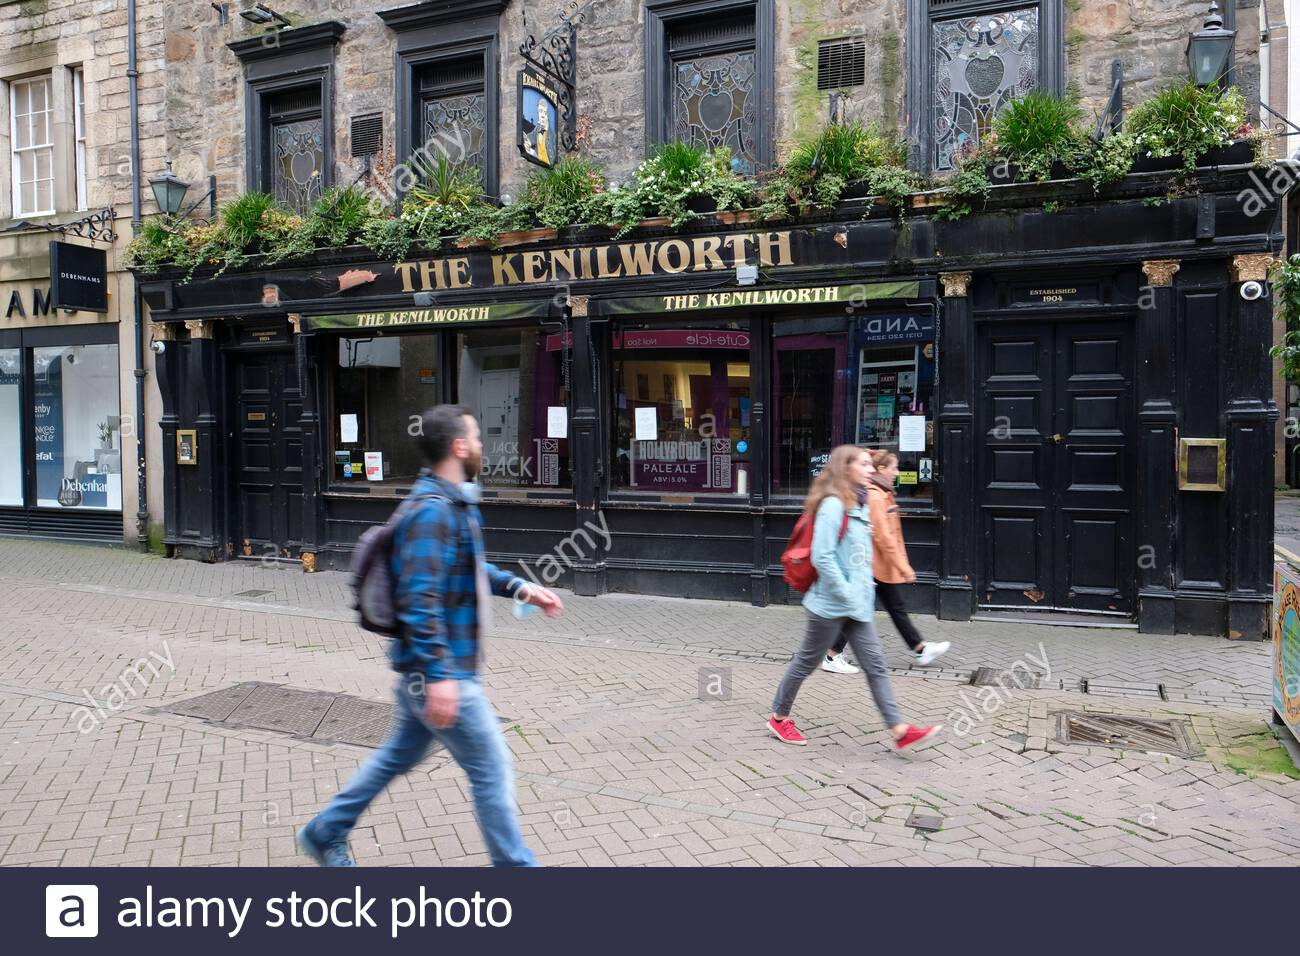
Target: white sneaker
933 650
838 665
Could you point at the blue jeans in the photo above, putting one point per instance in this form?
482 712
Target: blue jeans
474 741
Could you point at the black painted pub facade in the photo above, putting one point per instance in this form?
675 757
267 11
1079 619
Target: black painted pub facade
1081 399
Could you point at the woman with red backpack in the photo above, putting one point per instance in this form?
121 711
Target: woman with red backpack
841 600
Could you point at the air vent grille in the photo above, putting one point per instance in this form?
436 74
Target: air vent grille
841 64
367 134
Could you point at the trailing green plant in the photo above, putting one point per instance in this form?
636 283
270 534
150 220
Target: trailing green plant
158 244
1106 161
821 168
391 237
1039 130
969 186
440 182
667 183
1286 294
1186 121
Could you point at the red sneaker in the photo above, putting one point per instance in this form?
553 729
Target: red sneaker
914 735
786 731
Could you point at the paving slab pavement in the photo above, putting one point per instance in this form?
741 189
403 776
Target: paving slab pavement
621 759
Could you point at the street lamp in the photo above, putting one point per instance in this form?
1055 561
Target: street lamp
1209 49
169 192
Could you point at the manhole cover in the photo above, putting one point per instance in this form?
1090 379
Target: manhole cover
351 720
282 709
255 592
217 705
930 823
1012 679
1127 733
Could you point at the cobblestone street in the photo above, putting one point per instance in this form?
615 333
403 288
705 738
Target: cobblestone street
621 758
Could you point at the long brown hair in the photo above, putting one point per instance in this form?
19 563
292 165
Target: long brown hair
834 480
882 457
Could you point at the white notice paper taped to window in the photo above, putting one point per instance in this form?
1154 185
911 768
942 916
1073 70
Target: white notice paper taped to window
647 424
911 433
374 466
557 421
347 429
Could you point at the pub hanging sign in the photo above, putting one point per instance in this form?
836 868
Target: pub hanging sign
78 277
539 117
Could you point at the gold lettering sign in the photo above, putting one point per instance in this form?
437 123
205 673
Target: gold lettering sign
613 261
257 416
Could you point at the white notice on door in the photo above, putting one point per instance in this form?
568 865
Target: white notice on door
557 421
347 429
647 424
911 433
374 466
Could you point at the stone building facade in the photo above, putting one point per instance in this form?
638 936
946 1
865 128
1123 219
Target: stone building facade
69 417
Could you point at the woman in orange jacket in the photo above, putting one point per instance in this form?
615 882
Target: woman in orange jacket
889 566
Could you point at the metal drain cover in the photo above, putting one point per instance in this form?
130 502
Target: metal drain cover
254 592
1126 733
351 720
1007 679
930 823
217 705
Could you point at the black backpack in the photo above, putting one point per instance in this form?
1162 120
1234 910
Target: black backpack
373 588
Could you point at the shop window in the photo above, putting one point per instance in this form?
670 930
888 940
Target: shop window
452 112
682 409
382 385
11 417
294 144
32 130
971 58
516 381
709 76
808 398
78 427
894 405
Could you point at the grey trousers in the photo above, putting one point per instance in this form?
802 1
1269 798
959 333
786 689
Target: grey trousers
817 639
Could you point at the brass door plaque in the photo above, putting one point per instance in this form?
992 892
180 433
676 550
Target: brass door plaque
187 446
1202 464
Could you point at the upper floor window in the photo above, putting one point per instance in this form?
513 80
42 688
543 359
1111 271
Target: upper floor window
709 76
32 139
79 132
294 140
452 111
978 56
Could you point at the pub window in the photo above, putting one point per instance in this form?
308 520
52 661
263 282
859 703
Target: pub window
709 76
294 146
682 408
382 385
809 399
894 395
977 57
451 112
517 382
31 112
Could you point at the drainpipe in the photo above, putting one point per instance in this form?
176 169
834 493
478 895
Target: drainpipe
133 80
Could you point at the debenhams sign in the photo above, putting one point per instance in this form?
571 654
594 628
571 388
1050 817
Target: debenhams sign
612 261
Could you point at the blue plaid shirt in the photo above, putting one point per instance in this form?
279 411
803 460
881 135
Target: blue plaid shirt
435 550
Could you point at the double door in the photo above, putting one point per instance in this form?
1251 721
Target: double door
1055 465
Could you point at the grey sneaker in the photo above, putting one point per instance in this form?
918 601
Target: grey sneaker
332 854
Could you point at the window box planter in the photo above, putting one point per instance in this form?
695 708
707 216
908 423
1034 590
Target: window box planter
1006 174
465 242
1238 154
735 217
525 236
702 205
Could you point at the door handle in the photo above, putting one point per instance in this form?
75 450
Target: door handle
1057 438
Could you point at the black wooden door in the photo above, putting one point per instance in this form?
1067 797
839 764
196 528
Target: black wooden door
267 455
1055 467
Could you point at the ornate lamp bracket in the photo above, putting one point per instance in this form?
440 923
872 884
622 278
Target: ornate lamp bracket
556 55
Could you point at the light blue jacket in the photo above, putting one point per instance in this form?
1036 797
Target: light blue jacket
844 586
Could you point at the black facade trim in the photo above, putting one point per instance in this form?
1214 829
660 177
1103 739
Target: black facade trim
287 43
659 17
920 13
437 13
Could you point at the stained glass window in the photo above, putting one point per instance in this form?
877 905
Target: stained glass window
459 124
979 63
299 156
714 104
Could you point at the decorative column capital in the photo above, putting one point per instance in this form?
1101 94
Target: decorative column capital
1252 268
1160 272
578 305
295 322
199 328
955 284
162 331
